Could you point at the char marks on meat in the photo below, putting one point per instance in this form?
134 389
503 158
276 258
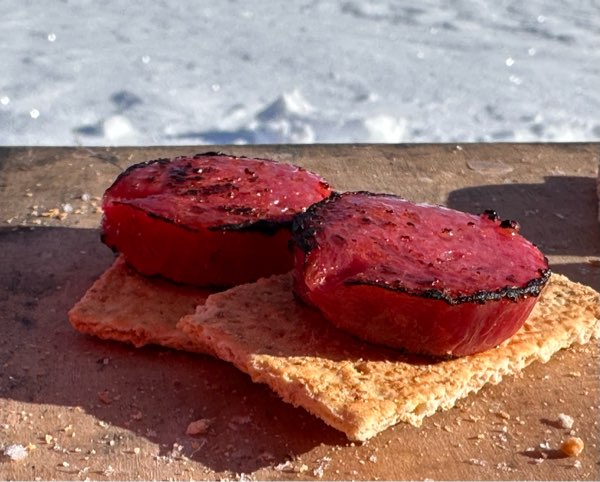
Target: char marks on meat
419 277
208 220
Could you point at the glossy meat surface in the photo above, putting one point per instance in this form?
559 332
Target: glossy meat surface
419 277
208 220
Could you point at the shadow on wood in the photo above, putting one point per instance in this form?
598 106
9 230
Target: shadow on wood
152 392
560 216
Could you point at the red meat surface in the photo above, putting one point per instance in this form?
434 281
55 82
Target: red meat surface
210 219
418 277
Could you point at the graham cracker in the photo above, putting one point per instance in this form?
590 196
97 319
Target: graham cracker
125 306
362 389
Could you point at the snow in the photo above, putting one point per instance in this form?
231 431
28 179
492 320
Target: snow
199 72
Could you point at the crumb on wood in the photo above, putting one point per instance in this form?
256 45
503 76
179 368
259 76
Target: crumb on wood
572 447
319 471
504 467
566 421
137 415
198 427
104 397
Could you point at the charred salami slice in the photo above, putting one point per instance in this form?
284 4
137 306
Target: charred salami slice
422 278
210 219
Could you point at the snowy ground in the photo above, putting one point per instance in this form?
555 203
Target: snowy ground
192 72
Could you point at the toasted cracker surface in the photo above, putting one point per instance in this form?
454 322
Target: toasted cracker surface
125 306
362 389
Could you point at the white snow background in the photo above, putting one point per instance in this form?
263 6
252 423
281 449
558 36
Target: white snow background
112 72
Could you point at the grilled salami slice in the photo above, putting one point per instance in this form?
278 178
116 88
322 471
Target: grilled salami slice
418 277
210 219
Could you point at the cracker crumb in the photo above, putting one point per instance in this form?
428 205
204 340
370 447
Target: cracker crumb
479 462
48 438
176 451
136 450
577 464
198 427
104 397
284 466
51 213
319 471
572 447
504 466
566 421
103 424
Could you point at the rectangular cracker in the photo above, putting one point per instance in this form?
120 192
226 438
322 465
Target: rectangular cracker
361 389
122 305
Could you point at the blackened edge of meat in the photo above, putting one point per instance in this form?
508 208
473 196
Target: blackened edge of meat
134 167
266 227
140 165
491 215
219 153
103 240
208 154
306 225
514 293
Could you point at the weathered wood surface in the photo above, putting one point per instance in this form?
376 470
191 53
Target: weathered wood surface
108 411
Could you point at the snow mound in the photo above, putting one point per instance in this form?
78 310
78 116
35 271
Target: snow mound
118 129
291 118
286 119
